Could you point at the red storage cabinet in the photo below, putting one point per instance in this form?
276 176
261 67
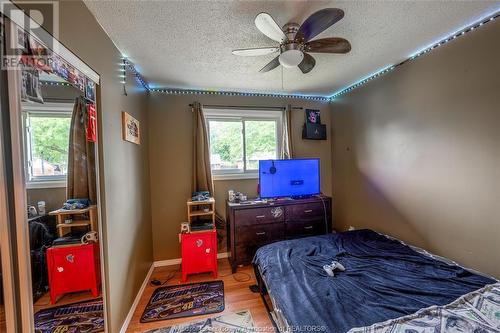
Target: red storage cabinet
199 253
73 268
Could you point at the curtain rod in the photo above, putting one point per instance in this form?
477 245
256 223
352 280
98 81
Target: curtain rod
248 107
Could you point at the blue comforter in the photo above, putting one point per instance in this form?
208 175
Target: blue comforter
384 279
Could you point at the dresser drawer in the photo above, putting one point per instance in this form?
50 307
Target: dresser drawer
300 229
305 212
252 217
250 238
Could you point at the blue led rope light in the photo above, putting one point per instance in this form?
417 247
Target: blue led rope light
423 51
174 91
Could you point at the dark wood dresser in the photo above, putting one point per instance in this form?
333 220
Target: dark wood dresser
250 226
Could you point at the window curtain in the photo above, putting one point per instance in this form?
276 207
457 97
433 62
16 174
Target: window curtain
286 144
202 173
81 157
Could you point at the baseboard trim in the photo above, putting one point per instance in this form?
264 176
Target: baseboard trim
177 261
137 299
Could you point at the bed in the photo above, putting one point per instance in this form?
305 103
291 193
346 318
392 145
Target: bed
387 285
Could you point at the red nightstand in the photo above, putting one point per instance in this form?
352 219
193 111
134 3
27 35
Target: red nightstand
199 253
73 268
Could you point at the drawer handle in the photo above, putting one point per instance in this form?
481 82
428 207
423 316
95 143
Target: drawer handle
260 233
308 227
260 216
308 211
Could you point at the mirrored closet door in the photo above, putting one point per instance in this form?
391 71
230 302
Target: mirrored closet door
54 143
8 306
61 192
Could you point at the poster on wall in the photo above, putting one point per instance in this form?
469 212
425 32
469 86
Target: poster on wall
313 116
35 55
131 129
60 68
90 90
31 88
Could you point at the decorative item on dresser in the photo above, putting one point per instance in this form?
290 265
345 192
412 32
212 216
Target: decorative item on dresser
251 226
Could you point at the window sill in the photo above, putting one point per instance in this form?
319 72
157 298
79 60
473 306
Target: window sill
46 184
235 176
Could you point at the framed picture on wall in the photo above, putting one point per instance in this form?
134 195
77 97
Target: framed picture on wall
131 129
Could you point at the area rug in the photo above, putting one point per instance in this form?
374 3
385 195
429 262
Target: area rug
78 317
239 322
184 301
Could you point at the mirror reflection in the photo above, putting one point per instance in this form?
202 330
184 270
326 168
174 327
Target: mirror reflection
60 171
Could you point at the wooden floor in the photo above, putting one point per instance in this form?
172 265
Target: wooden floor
237 296
44 301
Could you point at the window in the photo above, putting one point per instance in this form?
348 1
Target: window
239 139
46 140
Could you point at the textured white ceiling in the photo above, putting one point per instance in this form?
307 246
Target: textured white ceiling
187 44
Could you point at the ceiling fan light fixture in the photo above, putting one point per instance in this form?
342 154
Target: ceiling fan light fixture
297 41
291 58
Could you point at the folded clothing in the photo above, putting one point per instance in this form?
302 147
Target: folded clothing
200 196
72 204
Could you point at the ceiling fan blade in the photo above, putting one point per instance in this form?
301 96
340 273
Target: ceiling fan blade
319 22
258 51
307 63
266 24
328 45
271 65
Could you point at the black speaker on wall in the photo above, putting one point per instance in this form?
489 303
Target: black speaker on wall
314 131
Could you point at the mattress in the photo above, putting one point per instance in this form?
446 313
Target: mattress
384 280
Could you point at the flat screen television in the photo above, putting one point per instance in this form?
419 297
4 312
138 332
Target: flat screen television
289 178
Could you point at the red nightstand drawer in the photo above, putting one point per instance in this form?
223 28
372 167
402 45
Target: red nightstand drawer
199 253
73 268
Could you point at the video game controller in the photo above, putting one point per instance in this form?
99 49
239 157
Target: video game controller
337 266
329 270
334 266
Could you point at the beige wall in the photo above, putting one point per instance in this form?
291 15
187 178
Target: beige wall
53 197
125 185
416 153
170 138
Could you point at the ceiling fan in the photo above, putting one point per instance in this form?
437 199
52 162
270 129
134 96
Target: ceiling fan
296 40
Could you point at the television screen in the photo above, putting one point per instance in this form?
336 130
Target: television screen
288 178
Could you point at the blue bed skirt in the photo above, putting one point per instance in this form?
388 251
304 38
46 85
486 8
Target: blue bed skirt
384 279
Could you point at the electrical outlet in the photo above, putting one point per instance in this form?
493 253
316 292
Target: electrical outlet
351 228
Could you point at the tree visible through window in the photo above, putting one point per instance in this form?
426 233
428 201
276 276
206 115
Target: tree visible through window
49 145
260 142
238 143
46 131
226 144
